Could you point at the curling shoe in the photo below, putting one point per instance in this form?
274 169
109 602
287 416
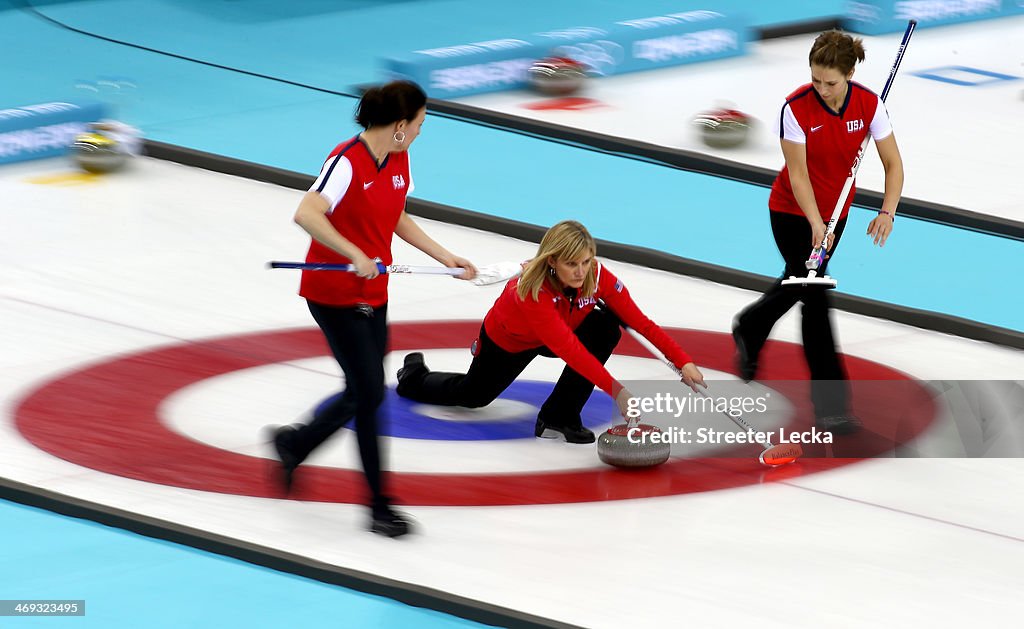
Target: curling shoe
390 523
413 362
746 364
572 434
288 461
838 424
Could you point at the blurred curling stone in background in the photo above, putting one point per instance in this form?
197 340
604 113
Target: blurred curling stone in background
96 153
619 447
723 127
106 147
557 76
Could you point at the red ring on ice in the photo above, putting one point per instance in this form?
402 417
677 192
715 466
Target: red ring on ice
104 416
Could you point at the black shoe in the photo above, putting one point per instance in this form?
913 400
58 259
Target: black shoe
838 424
413 362
288 461
572 434
746 364
390 523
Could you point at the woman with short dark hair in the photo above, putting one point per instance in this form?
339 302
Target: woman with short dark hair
352 211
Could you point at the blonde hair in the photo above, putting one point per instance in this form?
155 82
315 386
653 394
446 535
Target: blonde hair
568 240
836 49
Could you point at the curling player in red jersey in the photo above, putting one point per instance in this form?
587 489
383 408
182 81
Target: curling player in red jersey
565 304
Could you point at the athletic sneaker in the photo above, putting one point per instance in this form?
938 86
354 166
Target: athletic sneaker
838 424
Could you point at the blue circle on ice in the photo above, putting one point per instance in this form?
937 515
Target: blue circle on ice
511 416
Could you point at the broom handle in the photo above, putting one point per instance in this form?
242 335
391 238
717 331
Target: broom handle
653 351
818 254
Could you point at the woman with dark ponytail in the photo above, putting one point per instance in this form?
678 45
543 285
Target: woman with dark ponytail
352 211
821 127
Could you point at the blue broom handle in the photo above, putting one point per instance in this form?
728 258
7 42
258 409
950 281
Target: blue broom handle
911 25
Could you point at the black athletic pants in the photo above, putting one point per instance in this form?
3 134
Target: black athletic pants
494 369
358 341
793 238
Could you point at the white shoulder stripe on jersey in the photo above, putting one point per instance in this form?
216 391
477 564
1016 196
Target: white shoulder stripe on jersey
880 126
334 179
791 129
412 184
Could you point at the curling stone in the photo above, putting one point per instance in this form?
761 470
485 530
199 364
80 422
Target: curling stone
97 153
557 76
614 446
723 128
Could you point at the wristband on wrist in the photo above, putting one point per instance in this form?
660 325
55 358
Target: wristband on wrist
891 215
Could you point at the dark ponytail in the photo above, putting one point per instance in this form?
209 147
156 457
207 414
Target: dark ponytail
389 103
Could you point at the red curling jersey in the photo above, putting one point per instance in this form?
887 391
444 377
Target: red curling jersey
517 325
831 139
366 203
